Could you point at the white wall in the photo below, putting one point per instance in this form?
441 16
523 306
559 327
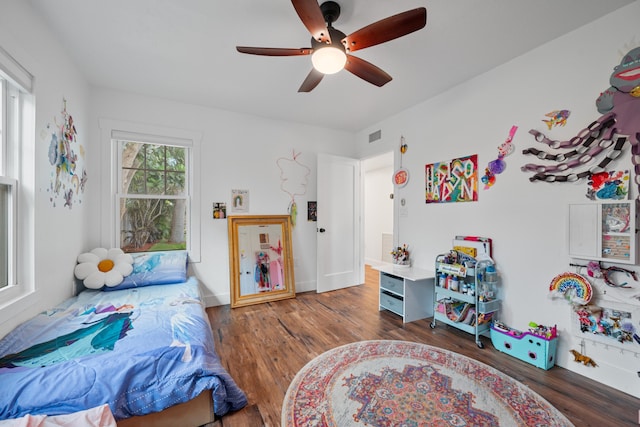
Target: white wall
527 221
238 152
60 233
378 206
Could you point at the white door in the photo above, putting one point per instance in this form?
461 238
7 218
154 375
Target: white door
339 223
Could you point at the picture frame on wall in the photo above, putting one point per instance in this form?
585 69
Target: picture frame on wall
453 180
219 210
239 201
312 211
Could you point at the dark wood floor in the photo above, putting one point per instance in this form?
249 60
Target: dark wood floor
263 347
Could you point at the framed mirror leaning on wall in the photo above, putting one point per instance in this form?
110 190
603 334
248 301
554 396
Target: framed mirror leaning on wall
260 259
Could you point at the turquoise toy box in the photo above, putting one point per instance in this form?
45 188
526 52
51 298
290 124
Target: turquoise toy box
538 346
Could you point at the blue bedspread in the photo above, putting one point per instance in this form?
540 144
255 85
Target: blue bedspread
139 350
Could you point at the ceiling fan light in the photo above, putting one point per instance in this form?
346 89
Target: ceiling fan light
328 60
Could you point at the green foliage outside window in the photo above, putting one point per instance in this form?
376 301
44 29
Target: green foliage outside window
149 223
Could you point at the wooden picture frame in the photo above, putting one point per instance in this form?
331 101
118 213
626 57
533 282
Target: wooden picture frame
260 259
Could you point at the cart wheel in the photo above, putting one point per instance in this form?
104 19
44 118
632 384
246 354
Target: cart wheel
432 324
480 345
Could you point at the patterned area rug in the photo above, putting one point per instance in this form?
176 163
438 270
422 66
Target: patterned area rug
399 383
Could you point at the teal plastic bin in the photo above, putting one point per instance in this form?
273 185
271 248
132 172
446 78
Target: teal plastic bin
534 349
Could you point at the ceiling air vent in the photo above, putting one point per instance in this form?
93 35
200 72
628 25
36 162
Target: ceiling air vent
375 136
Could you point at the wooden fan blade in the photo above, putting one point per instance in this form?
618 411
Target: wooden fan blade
313 78
366 71
386 29
312 18
274 51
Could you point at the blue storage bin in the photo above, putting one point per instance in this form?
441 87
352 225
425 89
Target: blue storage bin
534 349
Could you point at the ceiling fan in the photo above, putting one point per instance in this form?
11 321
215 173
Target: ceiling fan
331 49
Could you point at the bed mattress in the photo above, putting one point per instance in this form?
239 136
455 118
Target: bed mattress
138 350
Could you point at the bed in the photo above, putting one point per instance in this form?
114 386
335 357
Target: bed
140 348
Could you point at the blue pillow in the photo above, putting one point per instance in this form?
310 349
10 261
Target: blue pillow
155 268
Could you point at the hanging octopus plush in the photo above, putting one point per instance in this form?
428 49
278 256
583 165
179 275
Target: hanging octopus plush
607 135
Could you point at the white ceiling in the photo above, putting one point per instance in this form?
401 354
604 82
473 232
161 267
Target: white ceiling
184 50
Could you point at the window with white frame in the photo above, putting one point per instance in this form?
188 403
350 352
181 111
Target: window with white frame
154 196
150 192
15 87
8 198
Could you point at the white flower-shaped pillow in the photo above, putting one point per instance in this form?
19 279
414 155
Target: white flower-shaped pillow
103 267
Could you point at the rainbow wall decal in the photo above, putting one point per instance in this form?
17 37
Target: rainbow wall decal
573 287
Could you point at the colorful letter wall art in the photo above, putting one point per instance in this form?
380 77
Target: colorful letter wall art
452 181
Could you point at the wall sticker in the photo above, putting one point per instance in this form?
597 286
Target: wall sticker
66 156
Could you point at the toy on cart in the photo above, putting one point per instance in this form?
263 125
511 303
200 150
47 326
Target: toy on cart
536 346
465 291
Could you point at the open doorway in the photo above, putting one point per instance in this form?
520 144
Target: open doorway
378 208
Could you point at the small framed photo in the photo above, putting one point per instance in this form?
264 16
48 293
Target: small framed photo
239 200
219 210
312 211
